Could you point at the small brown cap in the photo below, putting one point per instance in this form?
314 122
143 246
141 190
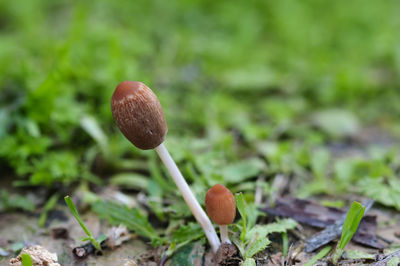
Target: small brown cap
220 205
138 114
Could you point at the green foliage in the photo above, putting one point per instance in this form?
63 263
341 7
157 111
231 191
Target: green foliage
281 226
239 172
10 202
241 206
184 235
249 262
353 218
133 219
258 245
58 71
95 242
358 254
50 204
254 239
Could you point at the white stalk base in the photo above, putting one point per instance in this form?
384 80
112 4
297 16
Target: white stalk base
190 199
223 230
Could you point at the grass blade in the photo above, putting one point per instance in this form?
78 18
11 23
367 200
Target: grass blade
350 226
319 256
241 206
75 213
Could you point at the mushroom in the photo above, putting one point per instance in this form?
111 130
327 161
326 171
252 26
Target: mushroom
139 115
221 207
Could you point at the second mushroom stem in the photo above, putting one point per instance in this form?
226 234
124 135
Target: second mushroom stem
223 230
190 199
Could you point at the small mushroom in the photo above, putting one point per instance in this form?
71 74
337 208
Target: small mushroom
139 115
221 208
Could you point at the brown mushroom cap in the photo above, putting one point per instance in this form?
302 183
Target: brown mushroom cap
138 114
220 205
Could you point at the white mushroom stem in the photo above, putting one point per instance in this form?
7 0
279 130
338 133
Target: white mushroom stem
190 199
223 230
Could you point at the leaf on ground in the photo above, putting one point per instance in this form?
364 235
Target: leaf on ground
190 254
257 246
130 181
379 190
187 232
26 259
249 262
241 206
358 254
281 226
238 172
92 127
336 122
351 223
133 219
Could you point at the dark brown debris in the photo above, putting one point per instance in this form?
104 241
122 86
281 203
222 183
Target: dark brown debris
59 233
311 213
227 254
305 211
87 249
366 233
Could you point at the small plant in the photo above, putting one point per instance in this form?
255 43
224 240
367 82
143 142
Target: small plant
253 238
74 211
350 226
50 204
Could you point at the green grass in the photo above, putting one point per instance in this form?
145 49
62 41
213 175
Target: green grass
353 219
95 242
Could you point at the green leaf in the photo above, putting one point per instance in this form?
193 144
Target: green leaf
9 202
239 172
92 127
249 262
187 232
379 190
241 206
257 246
357 254
26 259
75 213
337 122
50 204
189 254
133 219
350 226
351 223
281 226
319 162
285 244
130 181
319 256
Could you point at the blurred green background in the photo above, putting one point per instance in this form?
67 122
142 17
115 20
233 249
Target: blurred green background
249 89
